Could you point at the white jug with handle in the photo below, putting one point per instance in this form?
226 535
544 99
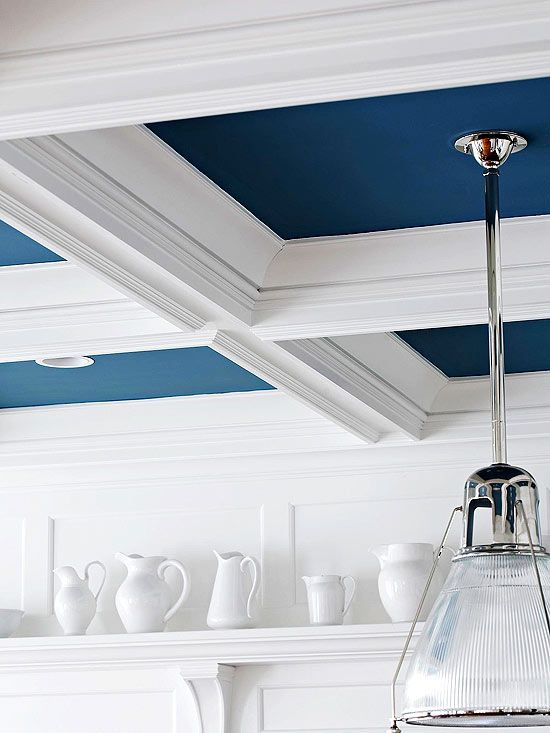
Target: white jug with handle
231 603
75 605
143 601
404 569
326 598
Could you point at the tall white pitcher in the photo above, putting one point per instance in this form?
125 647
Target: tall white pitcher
231 603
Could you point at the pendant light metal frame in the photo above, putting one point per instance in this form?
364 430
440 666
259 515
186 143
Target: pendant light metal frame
514 489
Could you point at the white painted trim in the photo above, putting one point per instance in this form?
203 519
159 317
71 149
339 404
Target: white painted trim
289 373
330 359
194 427
20 319
262 426
39 345
408 278
56 309
396 363
77 212
203 271
307 54
234 647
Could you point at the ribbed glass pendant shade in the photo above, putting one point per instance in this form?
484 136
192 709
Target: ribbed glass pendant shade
483 658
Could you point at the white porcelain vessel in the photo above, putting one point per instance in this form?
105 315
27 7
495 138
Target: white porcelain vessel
326 598
404 569
143 601
231 602
75 605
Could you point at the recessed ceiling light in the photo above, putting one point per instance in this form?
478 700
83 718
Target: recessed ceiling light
66 362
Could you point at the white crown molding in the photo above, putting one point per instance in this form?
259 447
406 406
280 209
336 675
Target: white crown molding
186 428
81 213
330 359
186 433
53 316
56 309
35 344
397 364
290 373
413 278
203 270
312 52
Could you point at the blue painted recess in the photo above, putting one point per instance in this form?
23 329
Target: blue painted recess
129 376
462 351
372 164
18 249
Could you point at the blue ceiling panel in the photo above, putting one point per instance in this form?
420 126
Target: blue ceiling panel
130 376
18 249
372 164
463 351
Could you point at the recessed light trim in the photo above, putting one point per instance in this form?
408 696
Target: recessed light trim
66 362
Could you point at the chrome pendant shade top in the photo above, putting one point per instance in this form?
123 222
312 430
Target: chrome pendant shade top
483 657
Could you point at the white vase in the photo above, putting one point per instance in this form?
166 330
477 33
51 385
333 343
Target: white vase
326 598
143 601
75 605
231 602
404 570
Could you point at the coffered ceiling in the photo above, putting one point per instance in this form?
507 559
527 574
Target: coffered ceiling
293 203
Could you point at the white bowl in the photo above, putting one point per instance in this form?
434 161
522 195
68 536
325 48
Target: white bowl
10 619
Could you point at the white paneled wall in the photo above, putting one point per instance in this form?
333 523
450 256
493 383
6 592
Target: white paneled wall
300 512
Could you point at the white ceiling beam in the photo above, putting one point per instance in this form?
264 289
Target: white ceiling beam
403 279
68 204
56 309
462 409
333 361
144 62
397 364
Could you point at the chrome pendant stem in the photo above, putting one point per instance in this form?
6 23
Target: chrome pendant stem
491 149
496 330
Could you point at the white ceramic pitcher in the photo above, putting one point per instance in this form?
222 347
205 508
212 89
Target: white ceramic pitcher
143 601
75 605
231 603
405 567
326 598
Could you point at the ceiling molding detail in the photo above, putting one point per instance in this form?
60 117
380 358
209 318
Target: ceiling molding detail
143 223
289 372
330 359
218 67
42 345
57 309
186 428
81 212
186 431
410 278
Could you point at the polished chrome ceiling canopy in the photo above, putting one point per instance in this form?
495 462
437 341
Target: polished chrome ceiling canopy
483 658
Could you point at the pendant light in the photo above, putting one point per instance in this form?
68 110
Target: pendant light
483 657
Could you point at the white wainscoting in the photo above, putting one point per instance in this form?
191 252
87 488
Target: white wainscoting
300 511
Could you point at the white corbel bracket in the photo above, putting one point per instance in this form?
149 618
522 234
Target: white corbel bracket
205 700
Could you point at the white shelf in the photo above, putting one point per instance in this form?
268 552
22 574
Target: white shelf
202 648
